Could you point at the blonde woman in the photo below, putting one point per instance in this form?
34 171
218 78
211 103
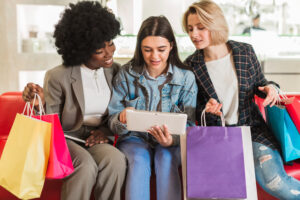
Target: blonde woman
228 75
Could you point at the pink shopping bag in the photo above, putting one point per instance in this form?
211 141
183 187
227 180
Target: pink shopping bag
60 162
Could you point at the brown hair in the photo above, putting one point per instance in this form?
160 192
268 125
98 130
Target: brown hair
157 26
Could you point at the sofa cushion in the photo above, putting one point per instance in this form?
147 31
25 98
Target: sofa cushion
10 104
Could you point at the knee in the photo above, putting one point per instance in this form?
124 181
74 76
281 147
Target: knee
267 169
165 157
138 156
260 150
282 189
139 162
87 167
264 157
116 162
274 184
272 177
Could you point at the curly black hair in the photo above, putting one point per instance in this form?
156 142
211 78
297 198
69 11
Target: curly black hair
82 29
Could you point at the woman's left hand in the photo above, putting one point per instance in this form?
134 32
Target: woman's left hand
96 137
162 135
271 97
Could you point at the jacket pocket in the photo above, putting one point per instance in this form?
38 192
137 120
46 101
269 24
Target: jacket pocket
132 103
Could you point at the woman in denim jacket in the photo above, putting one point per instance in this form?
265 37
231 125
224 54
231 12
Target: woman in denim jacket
154 80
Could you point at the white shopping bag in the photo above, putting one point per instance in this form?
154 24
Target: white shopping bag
248 159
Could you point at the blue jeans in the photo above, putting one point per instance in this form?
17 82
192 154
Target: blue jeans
271 175
140 156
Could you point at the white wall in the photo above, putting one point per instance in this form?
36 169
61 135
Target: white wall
173 10
11 62
133 12
125 12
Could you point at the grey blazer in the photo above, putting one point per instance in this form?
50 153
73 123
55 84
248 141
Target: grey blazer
63 94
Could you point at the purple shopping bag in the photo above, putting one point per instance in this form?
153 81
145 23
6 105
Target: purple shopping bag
215 163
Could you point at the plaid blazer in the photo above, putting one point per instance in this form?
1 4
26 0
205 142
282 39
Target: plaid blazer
249 76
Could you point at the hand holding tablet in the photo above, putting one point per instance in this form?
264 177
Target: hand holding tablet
140 120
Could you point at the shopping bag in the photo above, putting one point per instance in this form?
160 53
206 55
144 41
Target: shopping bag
248 160
25 157
292 105
215 163
285 131
259 102
249 163
60 162
293 108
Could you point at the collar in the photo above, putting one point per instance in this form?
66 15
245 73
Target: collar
176 73
87 70
147 75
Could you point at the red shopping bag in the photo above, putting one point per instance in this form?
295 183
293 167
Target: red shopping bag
259 102
293 107
60 162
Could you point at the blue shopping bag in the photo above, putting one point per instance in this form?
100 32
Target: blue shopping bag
285 131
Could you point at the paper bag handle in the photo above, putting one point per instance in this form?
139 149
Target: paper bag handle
280 94
203 120
29 109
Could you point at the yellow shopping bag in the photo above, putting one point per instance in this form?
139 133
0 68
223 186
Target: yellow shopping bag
25 157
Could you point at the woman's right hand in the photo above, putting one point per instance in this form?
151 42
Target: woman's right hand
213 107
29 90
122 116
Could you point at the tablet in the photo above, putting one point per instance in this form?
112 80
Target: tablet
140 120
74 138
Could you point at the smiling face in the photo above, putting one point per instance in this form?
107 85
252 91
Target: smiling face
156 50
102 57
199 35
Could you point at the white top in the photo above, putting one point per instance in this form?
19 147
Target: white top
96 95
223 76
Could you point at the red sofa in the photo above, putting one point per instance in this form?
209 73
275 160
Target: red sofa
12 103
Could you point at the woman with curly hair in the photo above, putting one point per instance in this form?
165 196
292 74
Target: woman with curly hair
79 90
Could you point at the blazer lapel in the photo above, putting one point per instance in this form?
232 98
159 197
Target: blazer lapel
77 86
202 75
108 72
240 67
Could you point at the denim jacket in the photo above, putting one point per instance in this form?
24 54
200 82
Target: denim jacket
130 90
